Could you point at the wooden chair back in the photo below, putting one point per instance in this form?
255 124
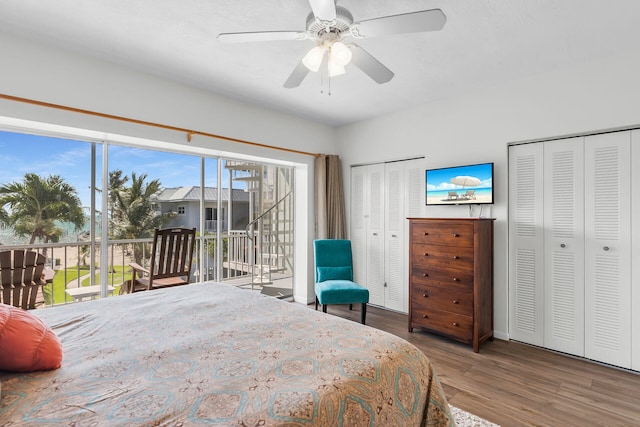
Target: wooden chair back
21 277
172 252
171 260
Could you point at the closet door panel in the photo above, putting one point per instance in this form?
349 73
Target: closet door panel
375 234
404 197
608 248
635 250
526 240
564 245
358 235
395 265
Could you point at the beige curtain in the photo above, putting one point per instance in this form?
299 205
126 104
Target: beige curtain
330 219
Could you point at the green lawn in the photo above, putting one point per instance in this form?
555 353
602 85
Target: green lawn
120 274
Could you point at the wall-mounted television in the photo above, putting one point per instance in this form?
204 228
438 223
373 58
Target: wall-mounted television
460 185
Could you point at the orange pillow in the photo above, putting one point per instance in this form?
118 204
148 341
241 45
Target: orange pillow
26 343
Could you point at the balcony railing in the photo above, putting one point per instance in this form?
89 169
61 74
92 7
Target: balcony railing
69 264
211 225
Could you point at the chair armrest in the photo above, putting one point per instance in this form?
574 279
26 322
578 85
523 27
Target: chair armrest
138 267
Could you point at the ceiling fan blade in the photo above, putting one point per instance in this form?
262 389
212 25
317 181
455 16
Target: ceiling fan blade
370 65
297 76
324 10
261 36
416 22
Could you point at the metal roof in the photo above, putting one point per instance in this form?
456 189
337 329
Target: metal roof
192 193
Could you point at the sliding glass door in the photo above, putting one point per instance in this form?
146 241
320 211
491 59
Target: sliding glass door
91 208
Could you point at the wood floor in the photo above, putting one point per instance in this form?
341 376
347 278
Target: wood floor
513 384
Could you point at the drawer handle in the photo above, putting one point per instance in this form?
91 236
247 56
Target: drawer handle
424 316
455 324
426 234
425 275
456 257
455 301
455 279
425 295
426 254
456 235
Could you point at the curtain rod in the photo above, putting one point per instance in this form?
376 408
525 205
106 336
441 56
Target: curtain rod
190 133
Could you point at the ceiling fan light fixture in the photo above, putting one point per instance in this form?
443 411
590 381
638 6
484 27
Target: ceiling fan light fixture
334 68
313 59
340 53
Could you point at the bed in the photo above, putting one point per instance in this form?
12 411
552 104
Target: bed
212 354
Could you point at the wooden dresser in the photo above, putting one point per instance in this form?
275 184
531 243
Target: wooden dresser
451 278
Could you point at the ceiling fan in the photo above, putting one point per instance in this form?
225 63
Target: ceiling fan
330 27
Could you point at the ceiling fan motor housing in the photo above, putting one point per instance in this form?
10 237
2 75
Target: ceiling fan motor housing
317 28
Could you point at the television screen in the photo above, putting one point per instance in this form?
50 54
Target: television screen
460 185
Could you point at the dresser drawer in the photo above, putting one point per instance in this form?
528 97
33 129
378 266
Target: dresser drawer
461 280
425 297
442 233
445 322
453 257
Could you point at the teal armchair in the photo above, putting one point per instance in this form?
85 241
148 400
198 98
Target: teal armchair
334 276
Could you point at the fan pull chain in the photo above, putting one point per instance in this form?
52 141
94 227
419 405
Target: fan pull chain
322 84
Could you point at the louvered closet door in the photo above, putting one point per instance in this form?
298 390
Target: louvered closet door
635 250
404 197
607 248
395 277
357 230
375 234
564 245
414 208
526 243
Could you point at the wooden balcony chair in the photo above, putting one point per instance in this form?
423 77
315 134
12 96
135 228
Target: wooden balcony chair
334 276
21 278
171 258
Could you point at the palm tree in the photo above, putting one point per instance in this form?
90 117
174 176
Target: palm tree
133 215
33 206
116 184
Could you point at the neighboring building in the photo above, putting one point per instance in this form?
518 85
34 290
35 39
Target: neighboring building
185 203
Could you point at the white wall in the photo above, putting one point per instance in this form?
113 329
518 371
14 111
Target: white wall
37 72
478 126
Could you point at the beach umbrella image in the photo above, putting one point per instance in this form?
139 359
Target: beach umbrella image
466 181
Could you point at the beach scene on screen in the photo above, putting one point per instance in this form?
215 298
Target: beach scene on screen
472 184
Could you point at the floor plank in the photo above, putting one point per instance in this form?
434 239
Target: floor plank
514 384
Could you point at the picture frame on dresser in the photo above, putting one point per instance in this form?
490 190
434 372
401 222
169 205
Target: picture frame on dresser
451 278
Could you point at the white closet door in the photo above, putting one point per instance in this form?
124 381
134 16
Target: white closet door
395 276
358 227
564 245
414 207
635 250
607 248
526 243
375 234
404 197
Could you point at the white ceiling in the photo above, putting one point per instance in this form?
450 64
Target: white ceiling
483 43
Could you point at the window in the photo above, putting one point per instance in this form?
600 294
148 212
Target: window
211 214
85 240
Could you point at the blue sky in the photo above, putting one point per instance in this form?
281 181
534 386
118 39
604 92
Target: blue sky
22 153
440 179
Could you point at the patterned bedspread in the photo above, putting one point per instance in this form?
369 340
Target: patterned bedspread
211 354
